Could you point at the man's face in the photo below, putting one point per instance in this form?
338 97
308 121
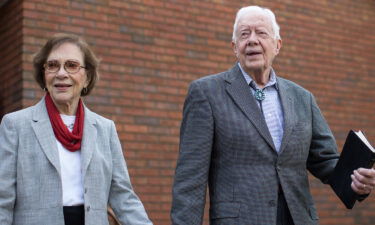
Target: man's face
255 45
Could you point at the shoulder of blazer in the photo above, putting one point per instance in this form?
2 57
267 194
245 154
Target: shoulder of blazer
292 87
228 75
216 80
24 115
95 118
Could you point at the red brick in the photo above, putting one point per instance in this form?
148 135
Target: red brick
151 50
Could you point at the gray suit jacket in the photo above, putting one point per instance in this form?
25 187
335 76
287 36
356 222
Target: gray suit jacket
30 182
225 142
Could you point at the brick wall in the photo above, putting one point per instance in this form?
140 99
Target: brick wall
10 56
151 50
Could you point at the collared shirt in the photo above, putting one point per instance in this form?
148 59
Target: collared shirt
271 107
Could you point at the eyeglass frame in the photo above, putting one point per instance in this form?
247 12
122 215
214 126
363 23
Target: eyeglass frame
64 66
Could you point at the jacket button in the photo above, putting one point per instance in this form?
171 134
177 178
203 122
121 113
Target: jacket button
85 190
272 203
88 208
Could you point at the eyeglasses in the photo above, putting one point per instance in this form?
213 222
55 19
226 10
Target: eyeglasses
70 66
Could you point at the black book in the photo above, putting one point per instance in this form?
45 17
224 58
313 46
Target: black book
357 152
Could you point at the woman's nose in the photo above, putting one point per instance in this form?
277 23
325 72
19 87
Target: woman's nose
61 72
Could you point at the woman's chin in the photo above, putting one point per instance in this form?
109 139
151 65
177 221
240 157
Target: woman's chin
62 98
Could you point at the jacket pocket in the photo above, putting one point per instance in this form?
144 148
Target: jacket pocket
224 210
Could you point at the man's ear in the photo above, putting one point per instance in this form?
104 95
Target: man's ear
278 45
234 48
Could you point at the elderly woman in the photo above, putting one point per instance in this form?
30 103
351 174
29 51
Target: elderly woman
61 163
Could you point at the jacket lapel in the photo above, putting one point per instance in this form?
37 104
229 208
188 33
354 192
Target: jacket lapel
289 114
241 95
89 137
44 133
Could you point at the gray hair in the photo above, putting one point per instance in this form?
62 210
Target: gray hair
251 9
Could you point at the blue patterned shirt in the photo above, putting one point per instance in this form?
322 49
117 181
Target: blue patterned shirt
271 107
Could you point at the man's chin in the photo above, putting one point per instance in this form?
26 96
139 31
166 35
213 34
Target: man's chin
254 66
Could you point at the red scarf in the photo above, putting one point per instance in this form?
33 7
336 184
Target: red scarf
70 140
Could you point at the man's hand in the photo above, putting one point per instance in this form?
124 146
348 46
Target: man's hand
363 181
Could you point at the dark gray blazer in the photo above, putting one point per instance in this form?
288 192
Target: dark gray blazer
225 143
30 181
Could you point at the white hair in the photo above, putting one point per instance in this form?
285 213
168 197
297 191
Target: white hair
256 9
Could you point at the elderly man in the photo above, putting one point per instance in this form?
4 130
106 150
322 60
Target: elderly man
251 135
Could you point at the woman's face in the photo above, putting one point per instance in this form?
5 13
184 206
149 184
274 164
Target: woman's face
65 86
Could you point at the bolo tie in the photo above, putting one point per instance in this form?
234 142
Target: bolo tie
258 94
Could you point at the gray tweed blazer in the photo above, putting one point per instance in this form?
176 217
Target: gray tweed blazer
225 143
30 183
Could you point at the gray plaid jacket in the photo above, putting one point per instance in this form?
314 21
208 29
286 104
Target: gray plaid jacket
30 182
225 143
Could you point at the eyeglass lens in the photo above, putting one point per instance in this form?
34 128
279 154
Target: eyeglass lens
70 66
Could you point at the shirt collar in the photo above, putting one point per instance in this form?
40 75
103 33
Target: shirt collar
271 82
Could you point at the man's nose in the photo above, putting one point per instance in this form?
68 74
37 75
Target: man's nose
253 39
